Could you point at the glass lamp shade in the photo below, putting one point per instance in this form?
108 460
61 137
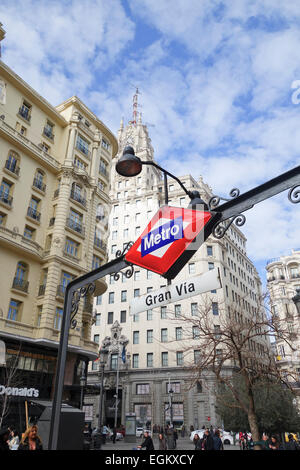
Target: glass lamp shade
103 354
83 381
129 164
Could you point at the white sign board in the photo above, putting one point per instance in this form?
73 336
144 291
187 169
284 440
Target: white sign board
177 292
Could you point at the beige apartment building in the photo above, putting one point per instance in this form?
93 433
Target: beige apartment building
54 192
157 357
283 276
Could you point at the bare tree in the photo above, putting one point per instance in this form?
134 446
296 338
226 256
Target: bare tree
235 342
11 379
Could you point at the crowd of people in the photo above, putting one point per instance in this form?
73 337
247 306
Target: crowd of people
11 440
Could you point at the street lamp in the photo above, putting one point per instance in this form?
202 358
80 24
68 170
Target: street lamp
131 165
296 300
103 355
82 385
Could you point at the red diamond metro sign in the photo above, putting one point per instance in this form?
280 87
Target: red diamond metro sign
170 239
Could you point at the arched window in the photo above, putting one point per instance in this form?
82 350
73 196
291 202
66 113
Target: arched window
100 214
39 180
78 193
21 276
13 162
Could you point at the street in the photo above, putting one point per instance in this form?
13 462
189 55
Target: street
183 443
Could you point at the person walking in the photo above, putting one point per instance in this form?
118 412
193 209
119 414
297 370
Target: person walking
114 435
148 443
264 443
275 443
207 441
31 440
175 437
218 444
197 442
104 433
292 444
86 437
183 431
170 438
162 443
14 440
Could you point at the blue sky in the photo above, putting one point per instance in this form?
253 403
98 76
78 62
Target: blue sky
219 83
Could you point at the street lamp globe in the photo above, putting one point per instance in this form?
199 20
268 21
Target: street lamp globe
296 300
103 355
129 164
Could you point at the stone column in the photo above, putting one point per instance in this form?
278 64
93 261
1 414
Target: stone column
71 144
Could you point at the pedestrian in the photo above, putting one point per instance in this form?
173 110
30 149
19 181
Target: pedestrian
207 442
275 443
4 437
291 444
162 443
218 444
264 443
183 431
175 437
170 438
31 440
197 442
14 440
104 433
148 443
86 437
245 441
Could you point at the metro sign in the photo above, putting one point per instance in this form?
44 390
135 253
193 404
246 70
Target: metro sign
170 239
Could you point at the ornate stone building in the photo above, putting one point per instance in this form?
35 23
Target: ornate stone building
54 182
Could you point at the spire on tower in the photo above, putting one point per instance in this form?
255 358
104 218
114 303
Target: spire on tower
134 106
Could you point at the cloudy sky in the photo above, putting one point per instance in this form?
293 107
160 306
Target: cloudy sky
219 83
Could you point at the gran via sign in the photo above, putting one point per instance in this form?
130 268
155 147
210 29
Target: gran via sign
177 292
19 391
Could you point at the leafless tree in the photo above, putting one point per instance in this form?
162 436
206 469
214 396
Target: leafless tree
235 342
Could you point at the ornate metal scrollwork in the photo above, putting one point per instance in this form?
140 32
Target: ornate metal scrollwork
82 292
215 200
219 230
125 249
129 272
294 194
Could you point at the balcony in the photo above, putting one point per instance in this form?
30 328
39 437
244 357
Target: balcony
6 199
24 112
75 226
20 284
42 289
99 243
76 196
33 214
39 185
12 167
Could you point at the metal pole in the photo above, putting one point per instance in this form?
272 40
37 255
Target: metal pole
101 397
117 390
109 268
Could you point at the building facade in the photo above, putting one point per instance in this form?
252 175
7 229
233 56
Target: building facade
283 277
54 182
162 348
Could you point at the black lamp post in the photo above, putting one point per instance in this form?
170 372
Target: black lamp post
171 391
131 165
82 385
103 355
296 300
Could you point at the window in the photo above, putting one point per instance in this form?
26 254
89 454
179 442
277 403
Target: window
48 130
164 335
125 233
136 293
211 266
113 249
96 262
178 333
136 337
58 318
217 331
179 358
96 339
209 249
12 162
142 389
136 317
33 209
72 248
82 145
114 234
164 359
163 312
99 300
123 316
149 315
79 164
149 336
29 232
192 268
149 359
135 361
3 219
5 192
111 297
97 319
126 219
197 356
66 278
105 144
137 275
114 361
115 221
25 111
124 296
182 201
110 318
194 308
196 332
175 386
215 308
177 311
149 274
39 315
14 310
